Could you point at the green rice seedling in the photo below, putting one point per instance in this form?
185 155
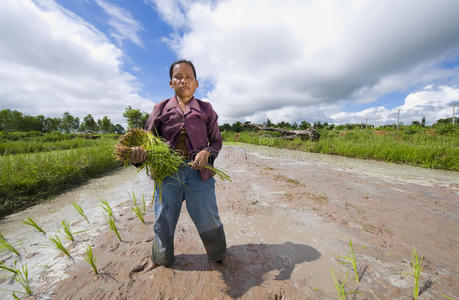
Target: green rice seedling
91 259
161 161
56 243
351 261
22 277
106 207
14 296
144 205
80 211
139 213
447 297
5 267
68 233
134 199
32 223
339 286
111 223
416 269
5 245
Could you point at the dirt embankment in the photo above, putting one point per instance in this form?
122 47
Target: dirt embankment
288 216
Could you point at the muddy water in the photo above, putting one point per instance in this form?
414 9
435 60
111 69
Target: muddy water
37 254
288 215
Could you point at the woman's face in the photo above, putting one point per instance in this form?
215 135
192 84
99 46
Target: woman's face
183 81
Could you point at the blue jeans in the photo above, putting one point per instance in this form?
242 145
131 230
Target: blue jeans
186 184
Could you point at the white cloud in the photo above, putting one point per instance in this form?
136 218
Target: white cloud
52 61
266 57
126 27
432 102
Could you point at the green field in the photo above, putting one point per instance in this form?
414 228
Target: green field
39 166
425 147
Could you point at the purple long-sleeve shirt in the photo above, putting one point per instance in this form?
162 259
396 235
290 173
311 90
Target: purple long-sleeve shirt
199 120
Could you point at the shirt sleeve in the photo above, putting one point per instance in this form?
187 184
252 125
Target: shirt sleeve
152 123
214 136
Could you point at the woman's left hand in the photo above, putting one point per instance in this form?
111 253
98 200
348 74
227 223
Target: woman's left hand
200 160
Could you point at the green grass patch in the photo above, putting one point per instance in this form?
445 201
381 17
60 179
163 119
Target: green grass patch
21 147
26 179
427 148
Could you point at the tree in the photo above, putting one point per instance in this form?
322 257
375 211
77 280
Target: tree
105 125
118 129
135 118
423 121
51 124
69 123
304 125
89 124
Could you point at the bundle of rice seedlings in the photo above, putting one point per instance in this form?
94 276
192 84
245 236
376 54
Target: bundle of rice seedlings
161 161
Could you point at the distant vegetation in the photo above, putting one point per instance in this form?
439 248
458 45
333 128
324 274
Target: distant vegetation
434 146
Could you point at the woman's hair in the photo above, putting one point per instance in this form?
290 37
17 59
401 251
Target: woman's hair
182 61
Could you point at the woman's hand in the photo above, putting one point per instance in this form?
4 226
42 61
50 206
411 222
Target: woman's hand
200 160
138 155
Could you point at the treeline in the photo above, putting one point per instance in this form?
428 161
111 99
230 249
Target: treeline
13 120
442 124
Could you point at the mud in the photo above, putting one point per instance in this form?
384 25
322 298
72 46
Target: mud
288 216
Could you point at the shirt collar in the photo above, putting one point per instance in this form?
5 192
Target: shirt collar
173 103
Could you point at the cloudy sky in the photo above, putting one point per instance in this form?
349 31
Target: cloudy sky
335 61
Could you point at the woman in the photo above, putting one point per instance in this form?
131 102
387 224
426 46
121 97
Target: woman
190 127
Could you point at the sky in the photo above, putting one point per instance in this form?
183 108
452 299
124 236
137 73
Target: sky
356 61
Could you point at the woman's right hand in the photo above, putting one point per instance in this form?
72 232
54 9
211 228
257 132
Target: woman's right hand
138 155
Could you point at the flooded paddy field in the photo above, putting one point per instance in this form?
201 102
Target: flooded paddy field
288 217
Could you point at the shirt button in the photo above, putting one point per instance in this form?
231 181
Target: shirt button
191 136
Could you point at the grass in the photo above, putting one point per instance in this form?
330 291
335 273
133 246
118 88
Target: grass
26 179
351 260
416 269
32 223
421 148
57 244
80 211
21 147
5 245
91 259
139 213
68 233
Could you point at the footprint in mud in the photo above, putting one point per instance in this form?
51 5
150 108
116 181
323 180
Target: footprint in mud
144 266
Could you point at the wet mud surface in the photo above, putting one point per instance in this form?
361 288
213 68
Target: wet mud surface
288 217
